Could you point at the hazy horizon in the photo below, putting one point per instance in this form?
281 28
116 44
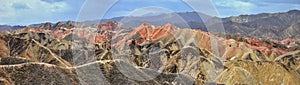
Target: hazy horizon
26 12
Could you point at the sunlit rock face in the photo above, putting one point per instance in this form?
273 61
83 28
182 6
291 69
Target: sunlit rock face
106 54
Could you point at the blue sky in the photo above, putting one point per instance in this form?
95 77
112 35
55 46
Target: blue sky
24 12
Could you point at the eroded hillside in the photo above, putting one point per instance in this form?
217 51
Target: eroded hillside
108 54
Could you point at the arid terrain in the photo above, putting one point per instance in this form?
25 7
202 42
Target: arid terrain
109 53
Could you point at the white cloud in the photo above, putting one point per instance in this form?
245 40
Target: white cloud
237 5
153 0
24 11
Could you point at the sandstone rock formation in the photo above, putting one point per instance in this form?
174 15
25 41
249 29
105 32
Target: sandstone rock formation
145 55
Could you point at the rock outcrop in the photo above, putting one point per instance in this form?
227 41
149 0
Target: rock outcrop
145 55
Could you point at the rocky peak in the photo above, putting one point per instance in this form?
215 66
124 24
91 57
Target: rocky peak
68 24
110 25
47 26
169 27
168 54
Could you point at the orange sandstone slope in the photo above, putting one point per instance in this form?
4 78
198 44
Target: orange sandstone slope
227 48
147 34
168 49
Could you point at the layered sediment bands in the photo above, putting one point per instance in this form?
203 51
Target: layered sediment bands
13 60
4 50
36 73
145 55
245 72
91 73
291 59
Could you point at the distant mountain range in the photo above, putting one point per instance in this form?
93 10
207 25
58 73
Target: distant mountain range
182 19
10 28
265 25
